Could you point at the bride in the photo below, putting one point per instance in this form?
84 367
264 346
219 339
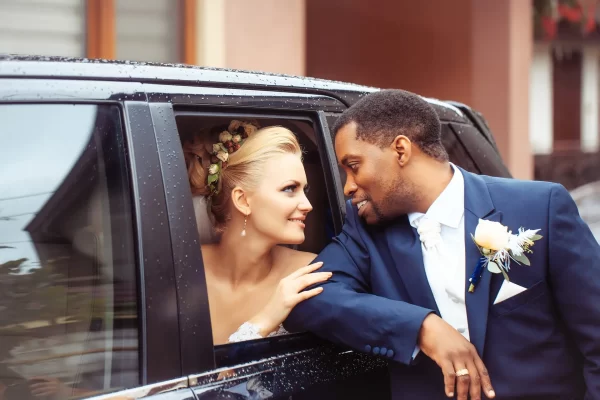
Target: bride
254 184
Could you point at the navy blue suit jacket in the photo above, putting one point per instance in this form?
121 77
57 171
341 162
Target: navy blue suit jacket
543 343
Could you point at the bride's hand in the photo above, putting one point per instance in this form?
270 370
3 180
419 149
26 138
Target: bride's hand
288 293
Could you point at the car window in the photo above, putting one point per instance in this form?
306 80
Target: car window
319 222
68 302
319 225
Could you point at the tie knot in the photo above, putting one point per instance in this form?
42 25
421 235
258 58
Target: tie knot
429 232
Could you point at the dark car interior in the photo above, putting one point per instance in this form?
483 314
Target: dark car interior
317 235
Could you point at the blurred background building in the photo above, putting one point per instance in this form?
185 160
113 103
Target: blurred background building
530 66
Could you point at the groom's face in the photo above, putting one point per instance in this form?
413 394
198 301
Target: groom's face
373 177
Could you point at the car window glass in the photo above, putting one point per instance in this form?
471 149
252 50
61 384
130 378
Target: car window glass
68 305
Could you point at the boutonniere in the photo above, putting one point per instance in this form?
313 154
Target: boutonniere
498 246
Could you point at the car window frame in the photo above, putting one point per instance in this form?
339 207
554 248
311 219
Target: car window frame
157 360
165 102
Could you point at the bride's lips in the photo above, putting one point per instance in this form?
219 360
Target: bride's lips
299 221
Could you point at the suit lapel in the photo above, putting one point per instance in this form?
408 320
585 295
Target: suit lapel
405 248
478 205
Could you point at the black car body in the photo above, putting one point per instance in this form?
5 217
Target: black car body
99 245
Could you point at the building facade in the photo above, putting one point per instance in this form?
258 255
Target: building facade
531 67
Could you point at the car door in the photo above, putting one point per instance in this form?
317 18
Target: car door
88 304
297 365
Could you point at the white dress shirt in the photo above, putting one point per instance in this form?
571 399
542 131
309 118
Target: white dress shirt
444 262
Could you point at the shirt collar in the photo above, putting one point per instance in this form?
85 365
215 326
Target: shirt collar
449 208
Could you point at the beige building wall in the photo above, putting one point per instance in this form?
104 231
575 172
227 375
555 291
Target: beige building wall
259 35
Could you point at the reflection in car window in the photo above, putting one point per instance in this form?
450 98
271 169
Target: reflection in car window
68 314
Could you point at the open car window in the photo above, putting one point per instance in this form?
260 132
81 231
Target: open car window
319 227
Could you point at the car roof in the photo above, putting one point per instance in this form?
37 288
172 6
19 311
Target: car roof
26 66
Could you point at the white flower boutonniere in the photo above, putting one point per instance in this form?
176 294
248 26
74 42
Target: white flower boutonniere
498 246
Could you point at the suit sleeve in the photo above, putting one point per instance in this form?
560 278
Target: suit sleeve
347 313
574 259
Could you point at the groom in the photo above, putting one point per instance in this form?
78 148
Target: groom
402 264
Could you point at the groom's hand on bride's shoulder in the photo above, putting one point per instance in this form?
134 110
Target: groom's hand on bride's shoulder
455 355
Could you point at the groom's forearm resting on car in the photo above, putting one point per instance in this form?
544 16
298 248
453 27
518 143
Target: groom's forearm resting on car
346 312
362 321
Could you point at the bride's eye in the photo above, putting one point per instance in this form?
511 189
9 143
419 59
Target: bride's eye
306 189
290 188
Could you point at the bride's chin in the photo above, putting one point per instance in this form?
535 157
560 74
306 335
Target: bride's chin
292 240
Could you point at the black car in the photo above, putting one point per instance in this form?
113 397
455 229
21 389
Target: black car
102 289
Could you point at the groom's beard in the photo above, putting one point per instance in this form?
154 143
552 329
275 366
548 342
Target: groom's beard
379 216
398 202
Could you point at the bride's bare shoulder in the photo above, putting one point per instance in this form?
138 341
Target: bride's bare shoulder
292 259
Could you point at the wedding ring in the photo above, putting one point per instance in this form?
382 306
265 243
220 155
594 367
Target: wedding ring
462 372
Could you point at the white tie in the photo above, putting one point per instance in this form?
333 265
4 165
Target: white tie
440 268
429 233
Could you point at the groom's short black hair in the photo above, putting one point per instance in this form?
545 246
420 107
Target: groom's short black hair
383 115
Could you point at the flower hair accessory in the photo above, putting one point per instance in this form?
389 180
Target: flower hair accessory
498 247
230 141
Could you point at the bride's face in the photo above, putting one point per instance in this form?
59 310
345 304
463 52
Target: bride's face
279 205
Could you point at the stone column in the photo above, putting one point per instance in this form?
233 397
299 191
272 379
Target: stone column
210 43
589 99
266 35
541 131
257 35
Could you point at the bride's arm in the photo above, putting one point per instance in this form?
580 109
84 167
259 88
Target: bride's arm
289 292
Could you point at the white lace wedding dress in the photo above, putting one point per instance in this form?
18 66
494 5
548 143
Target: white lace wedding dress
247 331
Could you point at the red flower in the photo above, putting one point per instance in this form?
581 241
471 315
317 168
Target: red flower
549 26
571 14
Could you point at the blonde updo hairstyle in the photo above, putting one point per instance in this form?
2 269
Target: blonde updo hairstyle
244 167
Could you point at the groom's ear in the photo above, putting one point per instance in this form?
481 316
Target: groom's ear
402 146
240 201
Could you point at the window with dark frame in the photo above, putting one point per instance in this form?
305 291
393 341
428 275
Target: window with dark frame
68 292
319 226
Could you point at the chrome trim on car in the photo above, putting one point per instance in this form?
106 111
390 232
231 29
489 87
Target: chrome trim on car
145 391
443 104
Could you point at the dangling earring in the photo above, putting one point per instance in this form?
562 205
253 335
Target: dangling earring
244 230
